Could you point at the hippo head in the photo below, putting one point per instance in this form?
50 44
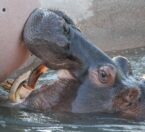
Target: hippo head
105 85
111 88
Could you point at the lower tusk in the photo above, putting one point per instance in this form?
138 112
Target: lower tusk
20 90
14 96
22 93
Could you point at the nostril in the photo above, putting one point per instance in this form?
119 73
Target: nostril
133 95
139 100
129 104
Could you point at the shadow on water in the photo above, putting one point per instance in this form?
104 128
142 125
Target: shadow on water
13 120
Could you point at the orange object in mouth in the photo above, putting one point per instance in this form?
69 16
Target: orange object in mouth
36 73
22 92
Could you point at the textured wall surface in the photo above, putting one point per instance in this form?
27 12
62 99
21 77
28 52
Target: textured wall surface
110 24
13 14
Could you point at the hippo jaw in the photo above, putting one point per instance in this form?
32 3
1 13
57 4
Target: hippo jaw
45 35
53 37
86 51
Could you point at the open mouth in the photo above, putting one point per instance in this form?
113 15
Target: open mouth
20 88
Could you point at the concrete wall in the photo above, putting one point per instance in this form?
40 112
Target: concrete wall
110 24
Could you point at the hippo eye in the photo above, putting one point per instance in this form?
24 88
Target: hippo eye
103 76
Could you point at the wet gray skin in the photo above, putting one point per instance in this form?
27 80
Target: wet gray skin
93 83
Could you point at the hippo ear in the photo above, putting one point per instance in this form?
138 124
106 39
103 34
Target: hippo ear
123 64
127 98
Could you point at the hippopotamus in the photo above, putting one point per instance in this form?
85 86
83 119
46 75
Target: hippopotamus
88 80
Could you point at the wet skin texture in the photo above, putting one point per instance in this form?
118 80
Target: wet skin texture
88 79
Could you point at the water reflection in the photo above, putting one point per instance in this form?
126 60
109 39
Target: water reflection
67 122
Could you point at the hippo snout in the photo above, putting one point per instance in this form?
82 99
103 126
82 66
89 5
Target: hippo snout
127 99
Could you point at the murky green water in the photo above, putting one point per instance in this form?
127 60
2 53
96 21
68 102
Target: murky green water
12 120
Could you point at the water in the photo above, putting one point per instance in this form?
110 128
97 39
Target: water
13 120
16 120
